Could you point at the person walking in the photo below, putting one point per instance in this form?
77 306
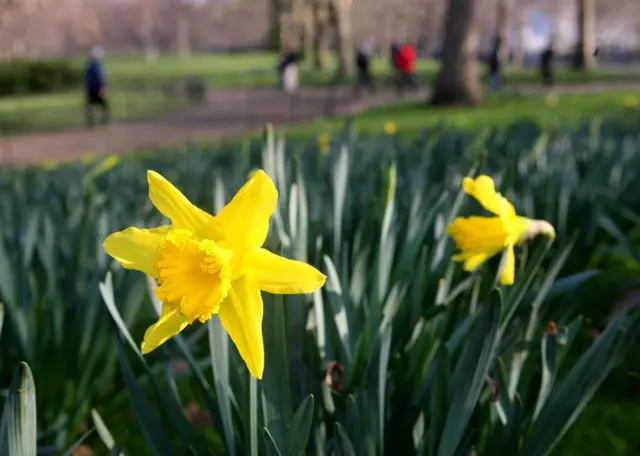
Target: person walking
495 78
363 64
546 65
405 63
288 69
96 87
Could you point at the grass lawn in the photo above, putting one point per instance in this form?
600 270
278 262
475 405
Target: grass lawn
498 110
259 69
66 110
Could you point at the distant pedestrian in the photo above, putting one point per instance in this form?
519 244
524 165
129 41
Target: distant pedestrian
494 65
288 69
96 88
363 63
546 65
393 57
405 64
395 47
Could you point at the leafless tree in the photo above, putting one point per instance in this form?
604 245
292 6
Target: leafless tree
458 81
43 28
342 18
586 46
503 26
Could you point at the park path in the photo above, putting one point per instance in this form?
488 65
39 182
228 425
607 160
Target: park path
226 113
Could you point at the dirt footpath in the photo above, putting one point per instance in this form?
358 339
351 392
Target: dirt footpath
225 113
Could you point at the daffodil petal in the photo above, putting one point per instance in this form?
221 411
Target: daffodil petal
241 316
183 214
246 217
508 273
472 260
478 234
170 323
484 191
275 274
136 248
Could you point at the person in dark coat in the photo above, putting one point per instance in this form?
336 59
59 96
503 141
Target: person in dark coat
546 65
96 88
495 78
289 58
363 64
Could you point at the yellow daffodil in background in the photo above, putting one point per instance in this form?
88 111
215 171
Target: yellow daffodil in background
49 165
480 238
551 100
630 102
87 157
209 264
390 128
324 143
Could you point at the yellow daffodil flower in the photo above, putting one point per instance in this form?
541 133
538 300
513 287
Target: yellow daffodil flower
87 157
209 264
480 238
324 143
630 102
49 165
390 128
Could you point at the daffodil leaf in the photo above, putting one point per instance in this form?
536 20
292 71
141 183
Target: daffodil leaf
277 408
300 428
565 402
154 433
71 451
219 353
383 365
103 432
106 290
469 376
548 350
343 441
272 448
439 398
18 432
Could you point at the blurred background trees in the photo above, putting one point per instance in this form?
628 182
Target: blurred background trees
43 28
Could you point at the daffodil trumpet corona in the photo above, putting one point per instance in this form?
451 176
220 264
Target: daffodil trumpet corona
207 264
480 238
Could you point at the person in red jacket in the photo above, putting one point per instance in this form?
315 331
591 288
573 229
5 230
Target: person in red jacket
405 63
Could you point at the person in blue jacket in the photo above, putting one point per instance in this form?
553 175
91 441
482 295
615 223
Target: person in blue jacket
96 87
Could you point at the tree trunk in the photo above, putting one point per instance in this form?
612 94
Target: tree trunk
147 32
458 82
273 36
342 15
290 24
321 36
585 52
518 44
503 19
556 14
308 30
183 40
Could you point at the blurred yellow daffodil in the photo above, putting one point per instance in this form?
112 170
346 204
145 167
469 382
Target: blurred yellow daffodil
49 165
480 238
209 264
630 102
324 143
390 128
551 100
87 157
